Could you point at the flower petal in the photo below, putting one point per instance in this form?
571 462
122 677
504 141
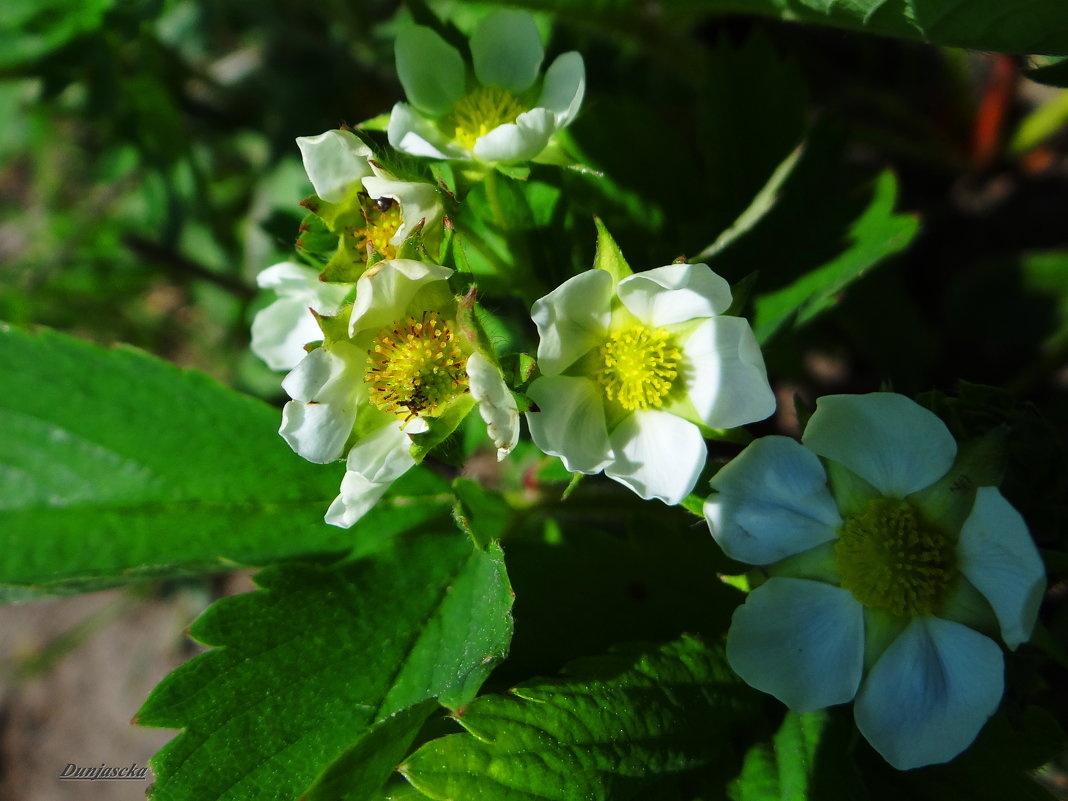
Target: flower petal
506 50
564 87
570 423
281 330
726 380
430 70
374 462
999 558
572 319
334 161
325 388
495 403
521 140
930 693
801 641
385 290
771 502
891 442
674 294
412 133
419 202
657 454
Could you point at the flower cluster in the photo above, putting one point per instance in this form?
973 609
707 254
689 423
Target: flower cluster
889 572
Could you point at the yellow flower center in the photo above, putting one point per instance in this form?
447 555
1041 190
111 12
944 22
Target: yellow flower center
383 218
639 366
890 560
415 367
480 111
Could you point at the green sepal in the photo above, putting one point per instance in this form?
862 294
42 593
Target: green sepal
335 327
349 261
948 502
440 427
608 256
523 403
316 243
851 492
471 327
376 123
412 247
518 368
517 172
741 293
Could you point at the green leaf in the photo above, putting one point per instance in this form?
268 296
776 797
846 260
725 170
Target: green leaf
616 726
115 465
310 669
1039 26
801 762
31 29
362 771
876 234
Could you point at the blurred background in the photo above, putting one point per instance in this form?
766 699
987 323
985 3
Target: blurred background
148 172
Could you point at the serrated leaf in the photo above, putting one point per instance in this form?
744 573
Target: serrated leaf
303 670
616 726
115 465
1038 26
877 233
801 763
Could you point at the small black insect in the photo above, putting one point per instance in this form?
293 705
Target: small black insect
384 203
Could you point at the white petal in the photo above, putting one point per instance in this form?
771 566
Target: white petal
930 693
999 557
726 380
430 70
382 455
801 641
325 388
495 403
411 133
287 278
572 319
419 202
571 422
374 463
771 502
281 330
891 442
506 50
674 294
384 291
334 161
658 455
564 87
518 141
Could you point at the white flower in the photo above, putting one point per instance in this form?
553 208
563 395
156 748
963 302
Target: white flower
632 372
404 366
339 164
505 114
342 171
884 559
281 330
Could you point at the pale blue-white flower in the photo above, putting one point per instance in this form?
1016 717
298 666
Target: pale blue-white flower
498 110
890 572
633 373
403 364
